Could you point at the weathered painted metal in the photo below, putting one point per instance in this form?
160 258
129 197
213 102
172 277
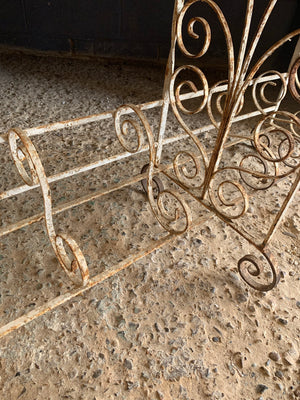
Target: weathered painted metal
223 190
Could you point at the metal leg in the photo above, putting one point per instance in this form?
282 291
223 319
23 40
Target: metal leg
168 75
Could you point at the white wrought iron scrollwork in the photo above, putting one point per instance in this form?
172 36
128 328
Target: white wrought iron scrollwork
273 130
27 153
275 139
262 90
256 172
220 98
192 33
169 208
207 38
195 179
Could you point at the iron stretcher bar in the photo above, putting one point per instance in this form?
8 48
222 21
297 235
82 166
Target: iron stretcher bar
109 114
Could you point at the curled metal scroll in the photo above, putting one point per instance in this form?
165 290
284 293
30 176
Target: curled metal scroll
268 54
220 100
294 160
255 172
274 138
251 269
123 127
295 128
228 197
169 208
135 118
192 33
220 97
177 106
27 152
207 38
279 125
187 167
276 141
175 93
262 90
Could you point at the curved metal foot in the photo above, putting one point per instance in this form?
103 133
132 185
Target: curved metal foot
251 269
74 265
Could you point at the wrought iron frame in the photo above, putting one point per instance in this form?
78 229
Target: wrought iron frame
223 190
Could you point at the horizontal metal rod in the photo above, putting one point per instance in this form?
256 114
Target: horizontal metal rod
103 276
59 300
66 206
66 174
210 127
56 126
84 199
69 173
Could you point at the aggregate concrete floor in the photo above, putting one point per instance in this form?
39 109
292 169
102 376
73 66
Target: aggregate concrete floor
178 324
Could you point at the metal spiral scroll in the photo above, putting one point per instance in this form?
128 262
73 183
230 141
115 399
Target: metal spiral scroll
229 197
257 180
169 208
251 270
275 145
262 91
294 160
275 126
274 139
293 83
27 152
221 97
207 30
199 164
199 161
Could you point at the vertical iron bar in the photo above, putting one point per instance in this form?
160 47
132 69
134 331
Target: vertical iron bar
223 133
243 47
257 36
168 75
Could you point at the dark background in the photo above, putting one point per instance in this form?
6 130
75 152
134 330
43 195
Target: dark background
138 29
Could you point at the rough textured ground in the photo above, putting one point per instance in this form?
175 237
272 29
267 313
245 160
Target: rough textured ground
179 324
